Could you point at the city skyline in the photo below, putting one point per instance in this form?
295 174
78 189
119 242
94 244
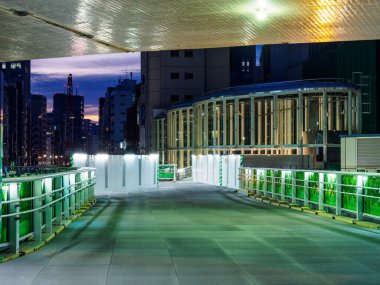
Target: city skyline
91 73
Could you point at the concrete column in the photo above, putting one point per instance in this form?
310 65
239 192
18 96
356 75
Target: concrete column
274 120
324 125
236 122
349 113
214 130
205 125
259 122
242 124
265 123
188 145
307 115
300 124
231 123
253 119
224 123
338 126
330 113
359 111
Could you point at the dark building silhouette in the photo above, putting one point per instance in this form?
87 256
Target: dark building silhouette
353 61
68 114
38 130
16 105
113 114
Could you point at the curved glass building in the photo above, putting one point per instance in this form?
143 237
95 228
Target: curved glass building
284 118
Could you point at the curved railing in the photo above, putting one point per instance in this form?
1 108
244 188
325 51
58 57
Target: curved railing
31 206
341 193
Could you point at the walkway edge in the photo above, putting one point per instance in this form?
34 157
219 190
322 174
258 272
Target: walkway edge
25 249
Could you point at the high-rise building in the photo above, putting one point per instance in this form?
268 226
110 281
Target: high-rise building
16 112
113 115
169 77
91 136
38 129
68 113
51 156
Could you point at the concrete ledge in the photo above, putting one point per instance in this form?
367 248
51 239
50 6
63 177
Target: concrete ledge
293 206
29 247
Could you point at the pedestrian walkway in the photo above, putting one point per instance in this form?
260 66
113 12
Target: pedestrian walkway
187 233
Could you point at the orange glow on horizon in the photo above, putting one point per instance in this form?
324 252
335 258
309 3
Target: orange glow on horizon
92 117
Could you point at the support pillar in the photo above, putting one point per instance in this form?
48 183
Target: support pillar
349 113
253 118
324 125
236 122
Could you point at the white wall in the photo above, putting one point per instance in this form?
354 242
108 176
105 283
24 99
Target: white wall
120 173
216 170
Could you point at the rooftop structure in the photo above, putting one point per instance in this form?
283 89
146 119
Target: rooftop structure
284 118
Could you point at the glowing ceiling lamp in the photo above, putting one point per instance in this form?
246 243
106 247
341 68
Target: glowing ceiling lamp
261 9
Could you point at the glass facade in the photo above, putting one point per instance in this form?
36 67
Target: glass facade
277 122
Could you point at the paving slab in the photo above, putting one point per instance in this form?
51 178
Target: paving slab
187 233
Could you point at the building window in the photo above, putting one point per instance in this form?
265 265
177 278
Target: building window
174 53
188 53
174 98
16 65
188 97
174 75
188 75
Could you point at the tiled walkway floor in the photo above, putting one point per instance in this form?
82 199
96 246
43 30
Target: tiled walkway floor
198 234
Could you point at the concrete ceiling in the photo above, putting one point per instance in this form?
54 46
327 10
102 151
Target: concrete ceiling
43 29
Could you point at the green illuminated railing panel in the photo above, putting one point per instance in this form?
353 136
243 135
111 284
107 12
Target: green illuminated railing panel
351 193
372 201
32 204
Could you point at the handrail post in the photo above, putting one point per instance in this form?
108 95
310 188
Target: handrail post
282 185
72 193
48 209
58 183
338 195
294 187
14 221
306 192
66 191
273 184
265 174
78 191
359 198
321 189
37 214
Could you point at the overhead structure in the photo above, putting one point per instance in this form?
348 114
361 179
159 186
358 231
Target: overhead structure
55 28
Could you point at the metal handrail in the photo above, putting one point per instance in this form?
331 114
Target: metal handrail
258 182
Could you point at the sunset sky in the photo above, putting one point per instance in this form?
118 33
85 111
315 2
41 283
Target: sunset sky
92 74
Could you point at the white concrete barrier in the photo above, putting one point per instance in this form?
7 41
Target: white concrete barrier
220 170
120 173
